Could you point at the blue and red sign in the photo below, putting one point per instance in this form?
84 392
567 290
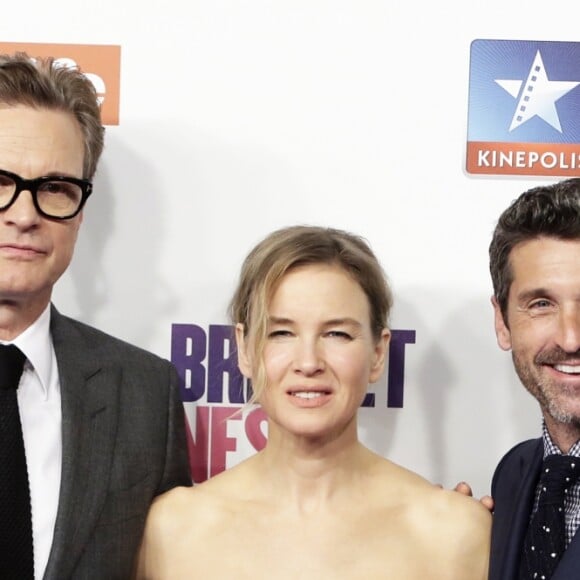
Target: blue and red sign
524 108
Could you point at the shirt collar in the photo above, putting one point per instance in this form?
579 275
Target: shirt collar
36 344
551 449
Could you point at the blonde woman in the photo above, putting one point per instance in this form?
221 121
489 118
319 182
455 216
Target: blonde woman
310 315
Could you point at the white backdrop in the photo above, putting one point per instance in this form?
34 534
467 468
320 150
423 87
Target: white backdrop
238 117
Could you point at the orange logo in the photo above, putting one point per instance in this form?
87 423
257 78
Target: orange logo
101 64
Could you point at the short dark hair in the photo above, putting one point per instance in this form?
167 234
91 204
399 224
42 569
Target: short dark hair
43 83
545 211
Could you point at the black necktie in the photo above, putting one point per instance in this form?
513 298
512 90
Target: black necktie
16 556
545 540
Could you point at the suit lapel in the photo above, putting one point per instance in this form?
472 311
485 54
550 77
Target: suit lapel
89 419
513 522
517 496
569 566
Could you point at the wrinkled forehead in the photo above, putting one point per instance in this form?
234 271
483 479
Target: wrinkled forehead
544 261
36 142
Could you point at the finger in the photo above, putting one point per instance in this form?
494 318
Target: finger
464 488
487 501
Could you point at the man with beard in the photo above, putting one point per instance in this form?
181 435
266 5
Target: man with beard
535 268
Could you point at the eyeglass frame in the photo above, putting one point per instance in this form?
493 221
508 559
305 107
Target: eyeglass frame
32 185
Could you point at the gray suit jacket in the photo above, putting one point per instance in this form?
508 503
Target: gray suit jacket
123 443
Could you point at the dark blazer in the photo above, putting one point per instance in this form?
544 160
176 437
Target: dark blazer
123 442
513 489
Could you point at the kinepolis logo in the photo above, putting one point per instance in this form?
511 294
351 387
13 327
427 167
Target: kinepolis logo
524 108
101 64
209 377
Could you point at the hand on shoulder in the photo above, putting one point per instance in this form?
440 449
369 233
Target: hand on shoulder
465 489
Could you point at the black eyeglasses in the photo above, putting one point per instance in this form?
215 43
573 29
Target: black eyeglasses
56 197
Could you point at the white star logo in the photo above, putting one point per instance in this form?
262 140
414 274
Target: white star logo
538 96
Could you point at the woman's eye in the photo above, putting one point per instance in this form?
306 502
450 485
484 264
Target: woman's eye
339 334
279 333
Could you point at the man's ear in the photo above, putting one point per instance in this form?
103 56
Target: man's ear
380 356
502 332
244 359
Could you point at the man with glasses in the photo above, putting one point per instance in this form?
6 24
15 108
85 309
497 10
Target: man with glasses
91 428
55 197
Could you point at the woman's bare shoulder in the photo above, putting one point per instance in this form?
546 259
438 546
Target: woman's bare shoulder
429 500
184 512
389 476
172 510
453 515
463 506
441 514
221 494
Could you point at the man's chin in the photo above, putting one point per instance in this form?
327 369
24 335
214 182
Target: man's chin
564 414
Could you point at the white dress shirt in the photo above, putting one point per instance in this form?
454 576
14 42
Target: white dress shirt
40 414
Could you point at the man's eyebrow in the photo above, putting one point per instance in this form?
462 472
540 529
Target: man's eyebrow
59 174
533 293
